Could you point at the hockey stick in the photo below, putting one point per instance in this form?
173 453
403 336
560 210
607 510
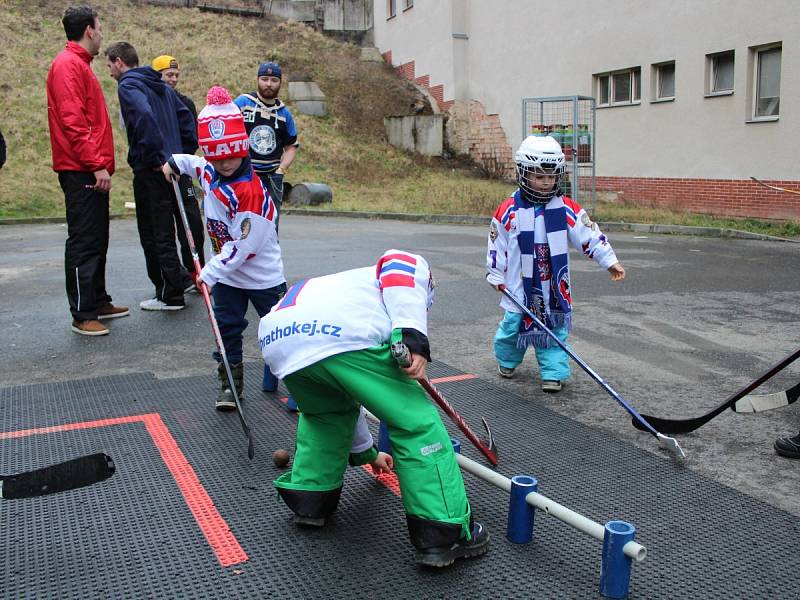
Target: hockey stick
761 402
687 425
69 475
488 448
669 443
774 187
213 320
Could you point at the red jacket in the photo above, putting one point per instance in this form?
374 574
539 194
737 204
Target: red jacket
80 129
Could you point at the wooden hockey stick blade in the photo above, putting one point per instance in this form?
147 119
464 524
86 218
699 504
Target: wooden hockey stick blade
689 425
761 402
488 448
69 475
774 187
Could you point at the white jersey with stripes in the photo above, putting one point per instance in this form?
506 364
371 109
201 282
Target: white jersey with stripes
346 311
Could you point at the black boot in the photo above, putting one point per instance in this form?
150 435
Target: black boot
788 446
310 508
225 399
439 544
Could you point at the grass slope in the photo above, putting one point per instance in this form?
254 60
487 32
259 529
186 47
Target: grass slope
347 150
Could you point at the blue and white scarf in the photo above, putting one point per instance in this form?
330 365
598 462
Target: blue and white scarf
545 259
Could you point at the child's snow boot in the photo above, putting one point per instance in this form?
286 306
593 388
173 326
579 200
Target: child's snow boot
225 400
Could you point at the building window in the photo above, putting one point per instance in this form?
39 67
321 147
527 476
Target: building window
619 87
409 4
766 102
392 8
604 91
663 81
719 70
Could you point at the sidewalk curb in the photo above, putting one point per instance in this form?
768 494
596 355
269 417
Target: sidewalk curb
63 220
720 232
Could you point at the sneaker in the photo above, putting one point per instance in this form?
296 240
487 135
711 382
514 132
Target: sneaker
109 311
551 386
788 447
90 327
156 304
505 371
442 556
309 521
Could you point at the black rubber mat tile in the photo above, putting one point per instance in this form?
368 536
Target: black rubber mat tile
134 535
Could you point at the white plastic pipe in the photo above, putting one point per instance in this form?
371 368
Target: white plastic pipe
632 549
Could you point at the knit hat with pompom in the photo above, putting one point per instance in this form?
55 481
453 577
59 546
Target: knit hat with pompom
220 127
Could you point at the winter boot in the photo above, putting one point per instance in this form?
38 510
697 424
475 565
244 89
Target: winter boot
788 446
311 508
225 400
440 544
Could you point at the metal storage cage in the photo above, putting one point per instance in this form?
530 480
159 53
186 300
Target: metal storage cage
571 121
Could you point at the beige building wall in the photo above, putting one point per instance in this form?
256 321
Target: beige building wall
517 48
421 34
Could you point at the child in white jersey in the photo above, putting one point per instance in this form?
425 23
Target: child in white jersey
240 216
329 340
528 255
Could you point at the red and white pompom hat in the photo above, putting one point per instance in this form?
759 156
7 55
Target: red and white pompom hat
220 127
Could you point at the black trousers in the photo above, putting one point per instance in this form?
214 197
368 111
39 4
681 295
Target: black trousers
195 225
155 210
86 246
274 184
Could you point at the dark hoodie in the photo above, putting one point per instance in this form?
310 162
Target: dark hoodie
158 124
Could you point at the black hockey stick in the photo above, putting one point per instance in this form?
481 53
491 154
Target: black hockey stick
69 475
640 421
761 402
687 425
213 320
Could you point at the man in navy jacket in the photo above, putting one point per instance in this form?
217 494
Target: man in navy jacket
158 125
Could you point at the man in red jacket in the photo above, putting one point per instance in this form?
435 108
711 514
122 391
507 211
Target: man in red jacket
83 157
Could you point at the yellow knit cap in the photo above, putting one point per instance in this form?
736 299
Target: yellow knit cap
165 62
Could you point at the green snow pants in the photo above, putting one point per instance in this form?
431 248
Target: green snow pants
328 394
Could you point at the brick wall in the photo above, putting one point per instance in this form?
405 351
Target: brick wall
719 197
487 140
481 136
406 70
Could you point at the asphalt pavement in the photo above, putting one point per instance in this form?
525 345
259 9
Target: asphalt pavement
696 319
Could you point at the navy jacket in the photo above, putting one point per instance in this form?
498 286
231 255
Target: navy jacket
158 124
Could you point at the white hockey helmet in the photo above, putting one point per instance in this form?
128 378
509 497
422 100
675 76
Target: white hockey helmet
542 156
